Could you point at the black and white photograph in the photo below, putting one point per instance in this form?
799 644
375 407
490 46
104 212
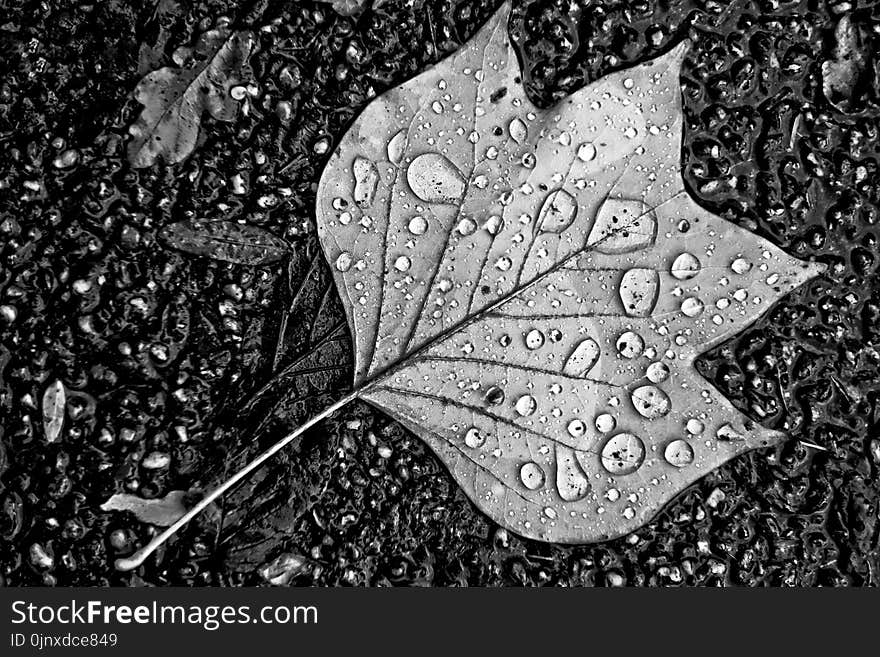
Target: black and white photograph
438 293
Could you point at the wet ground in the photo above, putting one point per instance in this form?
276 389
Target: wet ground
174 365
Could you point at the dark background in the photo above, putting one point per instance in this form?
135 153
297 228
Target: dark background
171 340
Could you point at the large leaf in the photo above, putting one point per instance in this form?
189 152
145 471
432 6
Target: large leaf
528 289
174 99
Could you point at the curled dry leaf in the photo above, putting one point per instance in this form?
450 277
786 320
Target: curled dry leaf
225 240
174 99
160 511
528 289
54 404
841 75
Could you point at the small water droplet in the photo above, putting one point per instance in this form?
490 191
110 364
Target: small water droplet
518 130
402 263
492 153
396 147
437 106
550 512
657 372
692 307
679 453
534 339
434 179
582 359
529 160
503 263
727 432
694 427
576 428
474 438
557 212
532 475
344 261
418 225
466 226
366 179
628 83
623 454
586 151
630 344
741 266
526 405
494 396
444 285
605 423
630 132
685 267
494 224
651 402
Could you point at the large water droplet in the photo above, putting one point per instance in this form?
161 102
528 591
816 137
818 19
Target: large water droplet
728 433
466 226
526 405
434 179
605 422
638 291
402 263
679 453
691 306
396 147
366 178
694 427
534 339
657 372
741 266
519 132
586 152
651 402
557 212
630 344
418 225
532 475
623 454
623 226
576 428
344 261
685 266
571 482
474 438
582 359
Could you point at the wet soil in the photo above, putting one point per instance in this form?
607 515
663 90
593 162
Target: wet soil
164 354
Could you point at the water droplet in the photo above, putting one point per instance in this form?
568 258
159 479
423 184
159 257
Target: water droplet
474 439
657 372
550 512
444 285
494 396
623 226
638 291
694 427
402 263
582 359
418 225
366 178
741 266
679 453
344 261
503 263
623 454
630 132
396 147
630 344
651 402
605 423
577 428
691 307
612 494
727 432
494 224
434 179
571 482
526 405
437 106
628 83
586 152
534 339
529 160
685 267
531 475
558 211
519 132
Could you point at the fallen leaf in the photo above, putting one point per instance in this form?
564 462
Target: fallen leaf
528 289
346 7
225 240
174 99
841 75
159 511
54 404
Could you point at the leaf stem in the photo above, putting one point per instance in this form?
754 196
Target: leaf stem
135 560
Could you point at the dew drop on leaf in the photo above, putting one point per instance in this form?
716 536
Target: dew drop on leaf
397 147
529 160
344 261
605 423
679 453
623 226
691 307
685 266
657 372
558 211
532 475
494 224
434 179
417 225
519 132
623 454
582 359
576 428
466 226
526 405
534 339
694 427
741 266
630 344
651 402
586 152
571 482
366 178
494 396
727 432
402 263
474 439
638 291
